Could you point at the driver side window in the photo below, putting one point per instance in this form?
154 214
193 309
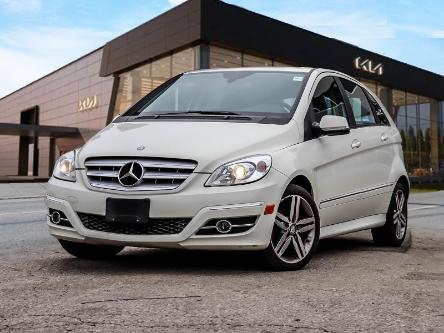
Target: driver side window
327 100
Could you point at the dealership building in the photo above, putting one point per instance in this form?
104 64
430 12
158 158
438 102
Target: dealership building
62 110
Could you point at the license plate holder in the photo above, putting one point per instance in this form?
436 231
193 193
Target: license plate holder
135 211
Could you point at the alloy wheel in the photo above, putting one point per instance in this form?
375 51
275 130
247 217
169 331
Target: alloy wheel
399 214
294 229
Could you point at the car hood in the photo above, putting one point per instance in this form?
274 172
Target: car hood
209 143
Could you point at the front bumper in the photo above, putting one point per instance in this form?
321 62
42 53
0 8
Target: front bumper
194 201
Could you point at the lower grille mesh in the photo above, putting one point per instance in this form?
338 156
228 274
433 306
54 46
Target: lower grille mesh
153 227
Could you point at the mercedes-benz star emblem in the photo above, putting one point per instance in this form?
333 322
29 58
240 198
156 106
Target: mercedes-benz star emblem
131 174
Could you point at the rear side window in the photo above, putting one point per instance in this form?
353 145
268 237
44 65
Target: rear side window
378 111
327 100
362 111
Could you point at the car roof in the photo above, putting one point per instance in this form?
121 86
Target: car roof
255 69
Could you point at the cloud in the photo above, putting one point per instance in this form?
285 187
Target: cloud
358 28
28 54
19 6
176 2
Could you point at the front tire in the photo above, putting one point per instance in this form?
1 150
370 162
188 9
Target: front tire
296 229
90 251
395 228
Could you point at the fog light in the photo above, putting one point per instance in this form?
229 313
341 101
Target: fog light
223 226
55 217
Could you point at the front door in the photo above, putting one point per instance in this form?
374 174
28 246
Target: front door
336 162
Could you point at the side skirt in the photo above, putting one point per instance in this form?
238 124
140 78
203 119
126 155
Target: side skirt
362 223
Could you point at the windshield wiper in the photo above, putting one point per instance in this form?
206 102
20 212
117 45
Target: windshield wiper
225 114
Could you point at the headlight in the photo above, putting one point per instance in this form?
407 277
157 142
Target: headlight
64 168
243 171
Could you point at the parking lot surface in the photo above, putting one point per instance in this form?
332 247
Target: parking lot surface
349 286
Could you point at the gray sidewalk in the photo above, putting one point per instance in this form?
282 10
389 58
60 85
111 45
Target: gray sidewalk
22 190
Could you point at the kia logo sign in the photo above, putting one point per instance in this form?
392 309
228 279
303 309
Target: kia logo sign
368 65
88 103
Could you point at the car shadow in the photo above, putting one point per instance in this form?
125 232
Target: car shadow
135 260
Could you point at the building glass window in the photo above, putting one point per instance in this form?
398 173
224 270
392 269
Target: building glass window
253 61
281 64
138 82
370 85
425 135
411 148
384 94
224 58
184 61
441 137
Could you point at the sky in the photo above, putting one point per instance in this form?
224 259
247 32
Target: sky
39 36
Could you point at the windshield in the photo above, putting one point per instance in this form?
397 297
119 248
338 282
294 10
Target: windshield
228 92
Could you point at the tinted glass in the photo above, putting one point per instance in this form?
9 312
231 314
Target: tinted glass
362 110
327 100
244 92
378 109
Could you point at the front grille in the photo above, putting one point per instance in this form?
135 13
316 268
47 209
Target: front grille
168 226
159 173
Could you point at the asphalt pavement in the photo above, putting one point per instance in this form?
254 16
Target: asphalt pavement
350 285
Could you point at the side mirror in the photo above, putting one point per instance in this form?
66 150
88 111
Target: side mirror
331 125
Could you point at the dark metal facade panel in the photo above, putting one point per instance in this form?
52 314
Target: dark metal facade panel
173 29
235 27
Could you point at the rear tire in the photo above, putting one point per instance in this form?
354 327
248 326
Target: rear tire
296 229
395 228
90 251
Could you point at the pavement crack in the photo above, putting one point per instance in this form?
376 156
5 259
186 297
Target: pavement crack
140 298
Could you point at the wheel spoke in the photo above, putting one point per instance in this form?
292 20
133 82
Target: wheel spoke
297 209
301 244
306 221
294 208
398 229
307 228
280 224
397 201
401 203
296 247
284 247
403 220
281 241
282 217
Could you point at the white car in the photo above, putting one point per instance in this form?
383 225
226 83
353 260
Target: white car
265 159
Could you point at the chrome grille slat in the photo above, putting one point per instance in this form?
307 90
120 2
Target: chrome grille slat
147 163
165 175
100 173
159 174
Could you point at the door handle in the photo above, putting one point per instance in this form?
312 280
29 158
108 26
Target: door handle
384 137
356 144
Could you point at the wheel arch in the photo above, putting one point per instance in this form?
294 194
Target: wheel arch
304 182
404 181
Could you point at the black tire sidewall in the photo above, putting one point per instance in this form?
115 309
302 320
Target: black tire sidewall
389 226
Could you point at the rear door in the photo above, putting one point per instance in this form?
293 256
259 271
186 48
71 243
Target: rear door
335 161
376 152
